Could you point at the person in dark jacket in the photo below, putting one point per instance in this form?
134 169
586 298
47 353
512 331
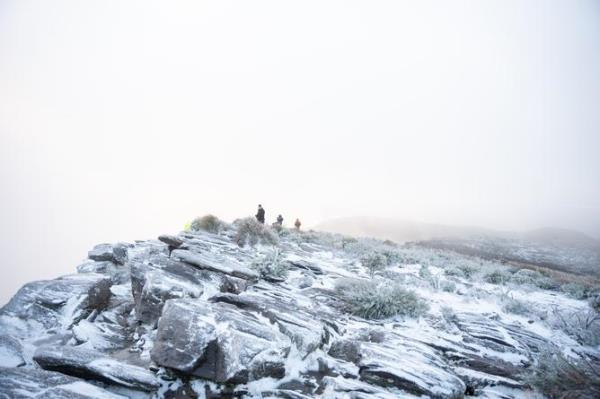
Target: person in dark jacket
260 215
280 220
297 224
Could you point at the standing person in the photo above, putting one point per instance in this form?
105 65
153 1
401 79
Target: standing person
260 215
297 224
280 220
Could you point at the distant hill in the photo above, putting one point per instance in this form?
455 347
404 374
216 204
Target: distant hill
554 248
397 230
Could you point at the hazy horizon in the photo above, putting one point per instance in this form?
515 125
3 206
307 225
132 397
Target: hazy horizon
124 120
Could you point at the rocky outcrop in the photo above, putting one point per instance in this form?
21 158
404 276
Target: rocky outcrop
64 300
21 383
116 253
187 316
92 365
218 342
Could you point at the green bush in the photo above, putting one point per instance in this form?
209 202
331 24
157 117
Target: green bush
250 231
370 300
209 223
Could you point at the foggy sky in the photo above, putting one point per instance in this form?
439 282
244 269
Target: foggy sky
123 120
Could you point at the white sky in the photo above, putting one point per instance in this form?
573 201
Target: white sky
122 120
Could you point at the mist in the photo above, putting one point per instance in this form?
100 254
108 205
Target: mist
124 120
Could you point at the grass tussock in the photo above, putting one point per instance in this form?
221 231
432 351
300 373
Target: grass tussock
372 300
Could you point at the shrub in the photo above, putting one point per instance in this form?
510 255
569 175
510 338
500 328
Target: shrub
497 277
575 290
424 272
467 270
448 286
595 303
533 278
370 300
270 267
374 262
209 223
559 377
516 306
583 326
250 231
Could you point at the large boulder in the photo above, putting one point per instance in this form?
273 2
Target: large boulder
296 320
60 302
22 383
218 342
93 365
158 288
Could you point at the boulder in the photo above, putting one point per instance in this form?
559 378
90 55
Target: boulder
22 383
207 263
217 342
62 301
117 273
93 365
116 253
304 328
346 349
158 288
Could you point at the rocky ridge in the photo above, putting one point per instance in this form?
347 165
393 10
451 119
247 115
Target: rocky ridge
187 316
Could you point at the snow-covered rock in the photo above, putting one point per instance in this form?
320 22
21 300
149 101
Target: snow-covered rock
186 315
21 383
93 365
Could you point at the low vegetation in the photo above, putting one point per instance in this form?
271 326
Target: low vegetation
209 223
559 377
250 232
270 267
372 300
374 262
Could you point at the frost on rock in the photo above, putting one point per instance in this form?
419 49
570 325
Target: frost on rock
95 366
186 316
217 342
20 383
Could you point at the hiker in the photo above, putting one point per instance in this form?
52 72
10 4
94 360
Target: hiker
297 224
280 220
260 215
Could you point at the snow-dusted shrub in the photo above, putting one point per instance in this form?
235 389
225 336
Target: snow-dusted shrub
467 270
372 300
374 262
250 231
209 223
392 257
497 276
424 272
595 303
448 314
270 267
516 306
533 278
448 286
559 377
575 290
583 326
